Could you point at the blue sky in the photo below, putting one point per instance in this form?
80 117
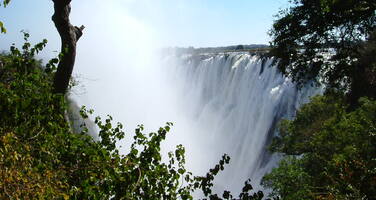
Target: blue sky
198 23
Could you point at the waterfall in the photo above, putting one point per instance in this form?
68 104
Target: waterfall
230 103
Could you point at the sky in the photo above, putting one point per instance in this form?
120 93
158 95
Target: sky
198 23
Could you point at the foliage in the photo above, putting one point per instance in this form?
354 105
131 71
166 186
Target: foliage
294 135
330 145
289 180
331 152
322 39
42 158
2 28
239 47
5 2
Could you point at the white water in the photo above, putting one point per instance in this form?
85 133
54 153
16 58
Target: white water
229 103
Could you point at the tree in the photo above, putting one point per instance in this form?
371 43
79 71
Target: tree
239 47
69 37
328 146
330 152
322 39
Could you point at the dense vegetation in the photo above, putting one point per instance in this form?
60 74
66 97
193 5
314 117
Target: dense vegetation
331 152
41 157
330 146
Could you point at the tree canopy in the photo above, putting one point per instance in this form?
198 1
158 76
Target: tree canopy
322 40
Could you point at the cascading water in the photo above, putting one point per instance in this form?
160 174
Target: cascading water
230 103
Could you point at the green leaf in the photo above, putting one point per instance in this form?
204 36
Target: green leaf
6 2
2 28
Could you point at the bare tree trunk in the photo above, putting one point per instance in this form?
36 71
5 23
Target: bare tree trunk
69 35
